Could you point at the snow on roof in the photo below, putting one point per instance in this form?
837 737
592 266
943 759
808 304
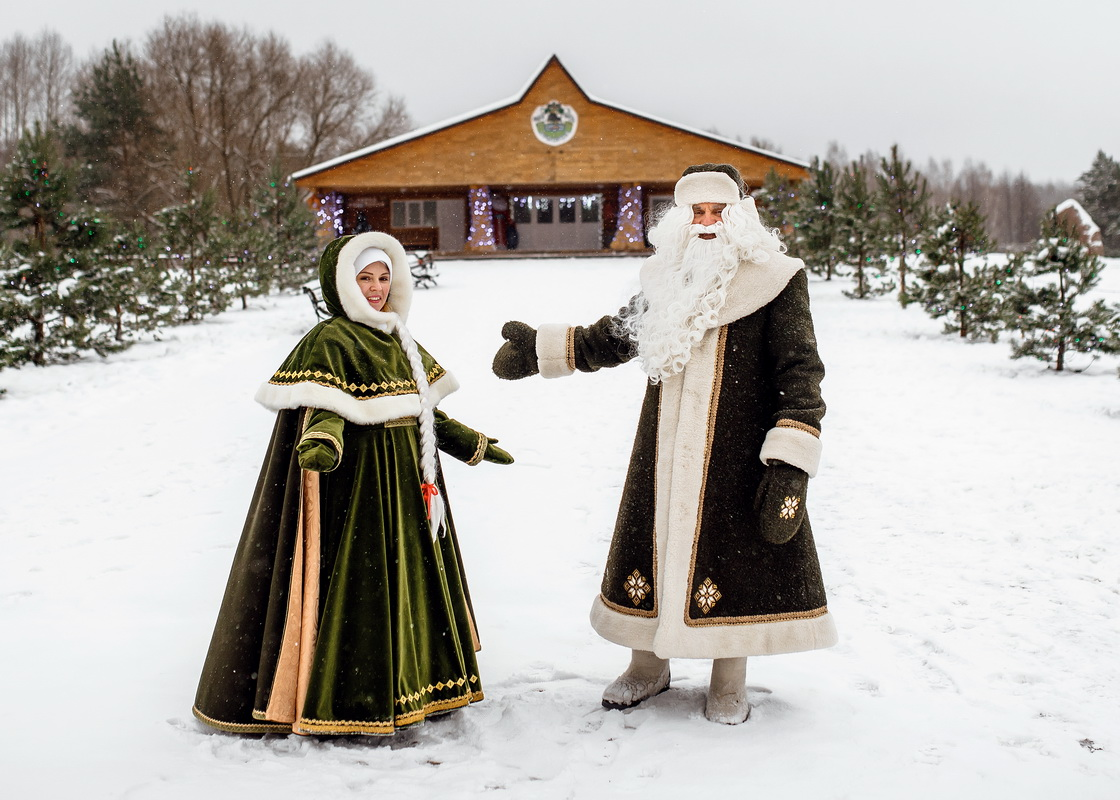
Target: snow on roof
1089 228
517 98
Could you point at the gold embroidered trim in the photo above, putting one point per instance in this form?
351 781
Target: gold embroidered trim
403 422
713 407
637 587
789 507
325 437
384 726
707 595
414 696
630 612
570 349
479 451
384 389
239 727
789 616
800 426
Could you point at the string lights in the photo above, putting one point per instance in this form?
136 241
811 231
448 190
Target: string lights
482 219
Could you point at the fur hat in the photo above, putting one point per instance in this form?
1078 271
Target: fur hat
709 183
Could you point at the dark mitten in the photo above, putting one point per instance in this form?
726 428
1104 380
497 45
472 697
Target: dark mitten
517 358
780 502
495 454
316 455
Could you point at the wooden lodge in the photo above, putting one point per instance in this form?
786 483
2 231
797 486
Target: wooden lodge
549 170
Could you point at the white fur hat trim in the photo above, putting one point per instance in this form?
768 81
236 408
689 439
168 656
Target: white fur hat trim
372 255
705 187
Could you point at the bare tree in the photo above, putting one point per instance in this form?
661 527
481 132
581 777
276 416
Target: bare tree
35 75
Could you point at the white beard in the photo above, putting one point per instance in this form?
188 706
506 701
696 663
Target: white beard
684 302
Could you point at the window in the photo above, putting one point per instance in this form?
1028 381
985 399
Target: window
567 209
522 213
414 214
589 208
544 210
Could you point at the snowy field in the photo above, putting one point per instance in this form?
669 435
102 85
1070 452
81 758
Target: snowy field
965 513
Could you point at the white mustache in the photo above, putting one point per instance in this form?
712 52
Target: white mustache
696 228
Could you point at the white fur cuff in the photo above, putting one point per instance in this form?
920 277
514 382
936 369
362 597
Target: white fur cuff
553 355
706 187
799 448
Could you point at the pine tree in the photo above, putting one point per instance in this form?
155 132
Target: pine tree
902 199
116 138
950 286
1049 305
818 220
860 240
52 274
196 244
777 202
281 235
1100 195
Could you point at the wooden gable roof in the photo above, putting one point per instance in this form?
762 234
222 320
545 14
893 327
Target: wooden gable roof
496 146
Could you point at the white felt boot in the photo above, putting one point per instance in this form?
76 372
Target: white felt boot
727 692
646 676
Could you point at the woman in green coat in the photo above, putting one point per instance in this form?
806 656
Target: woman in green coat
346 609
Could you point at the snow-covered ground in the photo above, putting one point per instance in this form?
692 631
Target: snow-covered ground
965 512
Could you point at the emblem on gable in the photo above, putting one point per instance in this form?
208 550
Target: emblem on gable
555 123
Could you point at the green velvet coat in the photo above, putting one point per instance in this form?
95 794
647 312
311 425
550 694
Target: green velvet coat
342 613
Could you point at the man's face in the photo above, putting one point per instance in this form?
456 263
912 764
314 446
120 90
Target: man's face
707 214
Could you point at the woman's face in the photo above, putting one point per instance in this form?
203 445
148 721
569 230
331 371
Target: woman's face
374 283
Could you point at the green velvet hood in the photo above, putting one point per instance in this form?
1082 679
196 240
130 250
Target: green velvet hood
353 363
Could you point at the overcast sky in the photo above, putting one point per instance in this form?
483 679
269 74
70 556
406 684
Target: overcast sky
1018 84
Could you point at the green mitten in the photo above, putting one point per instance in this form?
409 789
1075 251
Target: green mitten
517 358
780 502
495 454
316 455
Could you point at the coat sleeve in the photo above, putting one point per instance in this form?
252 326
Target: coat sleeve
320 446
792 345
458 440
564 349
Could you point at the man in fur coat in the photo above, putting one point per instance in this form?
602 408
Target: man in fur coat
712 555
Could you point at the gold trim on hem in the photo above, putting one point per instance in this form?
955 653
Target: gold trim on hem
630 612
239 727
799 426
384 727
789 616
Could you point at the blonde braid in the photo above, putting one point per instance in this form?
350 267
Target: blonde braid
426 420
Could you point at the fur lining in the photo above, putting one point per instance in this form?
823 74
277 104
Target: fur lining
361 412
350 294
722 641
706 187
801 449
552 350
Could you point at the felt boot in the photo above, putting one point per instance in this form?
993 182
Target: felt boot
727 692
646 676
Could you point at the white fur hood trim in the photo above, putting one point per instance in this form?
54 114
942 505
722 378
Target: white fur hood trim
350 294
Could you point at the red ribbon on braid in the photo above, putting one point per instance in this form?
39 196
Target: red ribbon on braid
429 491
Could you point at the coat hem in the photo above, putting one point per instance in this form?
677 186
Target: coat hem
761 638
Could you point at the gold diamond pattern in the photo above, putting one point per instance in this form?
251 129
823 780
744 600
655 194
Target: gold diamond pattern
637 587
411 698
707 595
789 507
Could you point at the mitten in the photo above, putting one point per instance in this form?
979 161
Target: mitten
780 502
467 444
517 358
495 454
320 446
